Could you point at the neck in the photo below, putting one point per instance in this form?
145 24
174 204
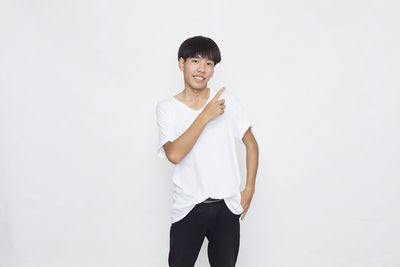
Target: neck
194 95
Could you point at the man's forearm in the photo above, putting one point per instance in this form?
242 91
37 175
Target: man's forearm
178 149
251 165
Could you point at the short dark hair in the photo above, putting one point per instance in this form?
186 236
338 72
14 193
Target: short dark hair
200 46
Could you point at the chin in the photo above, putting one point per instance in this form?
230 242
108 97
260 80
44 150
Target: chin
199 86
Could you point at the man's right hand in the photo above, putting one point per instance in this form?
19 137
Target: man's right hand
215 107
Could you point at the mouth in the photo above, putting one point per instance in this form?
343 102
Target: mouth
199 78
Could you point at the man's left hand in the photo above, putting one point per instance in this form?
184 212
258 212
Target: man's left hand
247 196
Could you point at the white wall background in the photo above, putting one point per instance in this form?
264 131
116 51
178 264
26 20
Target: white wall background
81 184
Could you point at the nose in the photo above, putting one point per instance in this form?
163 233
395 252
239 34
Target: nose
201 67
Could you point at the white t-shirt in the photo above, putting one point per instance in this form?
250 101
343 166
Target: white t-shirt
211 167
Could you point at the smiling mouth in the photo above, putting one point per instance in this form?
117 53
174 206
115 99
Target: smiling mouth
199 78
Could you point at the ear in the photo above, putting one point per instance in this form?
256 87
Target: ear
181 63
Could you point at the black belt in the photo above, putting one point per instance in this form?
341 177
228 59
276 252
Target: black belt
212 200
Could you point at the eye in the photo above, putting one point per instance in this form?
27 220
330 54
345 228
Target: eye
210 64
195 60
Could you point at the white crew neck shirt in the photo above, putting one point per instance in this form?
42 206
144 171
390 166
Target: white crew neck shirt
210 169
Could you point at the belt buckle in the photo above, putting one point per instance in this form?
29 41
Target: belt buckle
211 200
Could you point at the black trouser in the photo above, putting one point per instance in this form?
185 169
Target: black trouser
214 221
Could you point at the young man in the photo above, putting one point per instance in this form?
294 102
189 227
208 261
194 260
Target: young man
197 132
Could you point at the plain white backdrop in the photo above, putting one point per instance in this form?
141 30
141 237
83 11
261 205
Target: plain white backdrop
80 181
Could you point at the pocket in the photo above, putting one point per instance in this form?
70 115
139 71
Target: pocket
226 207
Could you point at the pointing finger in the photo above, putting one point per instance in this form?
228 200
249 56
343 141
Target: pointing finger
219 93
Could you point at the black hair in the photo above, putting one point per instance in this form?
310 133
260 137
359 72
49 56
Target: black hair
200 46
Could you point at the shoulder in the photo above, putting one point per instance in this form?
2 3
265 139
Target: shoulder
164 104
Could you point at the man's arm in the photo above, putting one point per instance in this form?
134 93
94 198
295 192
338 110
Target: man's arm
252 166
178 149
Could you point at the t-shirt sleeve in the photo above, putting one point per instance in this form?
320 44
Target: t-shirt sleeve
241 120
166 128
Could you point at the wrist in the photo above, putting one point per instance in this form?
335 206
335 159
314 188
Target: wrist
202 117
250 188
